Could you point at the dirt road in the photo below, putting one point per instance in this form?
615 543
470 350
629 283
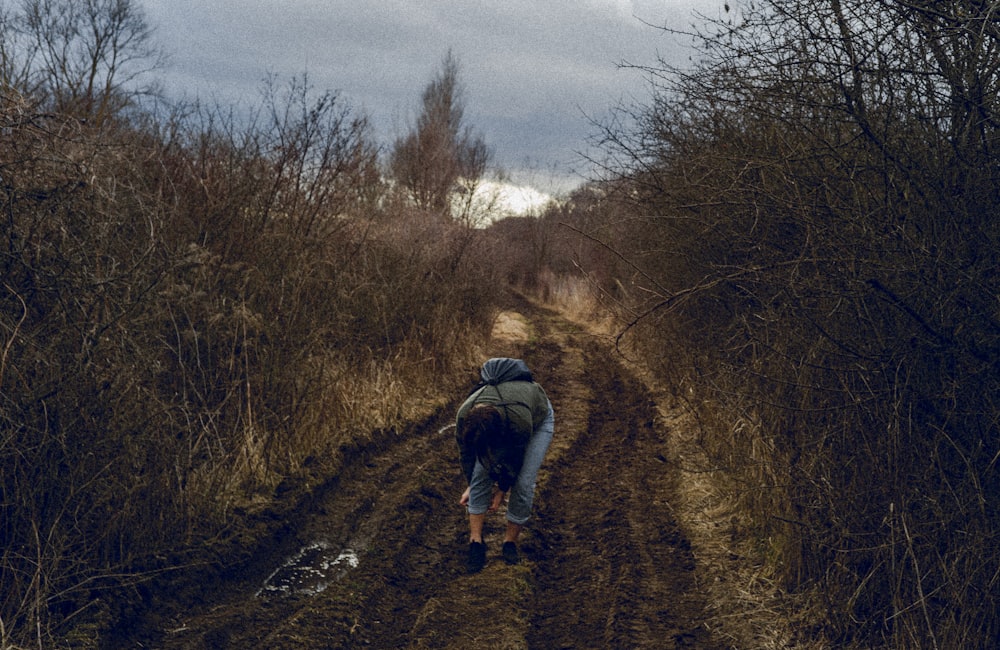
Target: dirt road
377 559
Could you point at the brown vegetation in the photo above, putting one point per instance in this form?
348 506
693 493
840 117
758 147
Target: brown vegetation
192 309
803 234
797 237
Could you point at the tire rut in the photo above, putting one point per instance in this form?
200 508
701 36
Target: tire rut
614 569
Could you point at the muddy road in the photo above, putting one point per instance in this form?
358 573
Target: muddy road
377 559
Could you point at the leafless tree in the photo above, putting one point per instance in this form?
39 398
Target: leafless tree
87 58
441 155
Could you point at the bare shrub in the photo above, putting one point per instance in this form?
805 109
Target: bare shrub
80 262
192 306
810 242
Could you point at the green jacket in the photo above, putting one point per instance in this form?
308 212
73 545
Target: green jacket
524 406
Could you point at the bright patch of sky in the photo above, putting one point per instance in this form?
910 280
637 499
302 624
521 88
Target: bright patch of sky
509 199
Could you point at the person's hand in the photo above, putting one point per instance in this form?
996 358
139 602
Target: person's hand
497 500
464 501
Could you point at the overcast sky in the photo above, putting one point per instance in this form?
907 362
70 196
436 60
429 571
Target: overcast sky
534 71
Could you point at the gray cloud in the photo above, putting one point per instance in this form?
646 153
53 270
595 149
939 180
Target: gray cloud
532 70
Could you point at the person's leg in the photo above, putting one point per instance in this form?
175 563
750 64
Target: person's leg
522 493
480 493
476 523
512 532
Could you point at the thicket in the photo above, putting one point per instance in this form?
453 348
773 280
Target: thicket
803 232
192 306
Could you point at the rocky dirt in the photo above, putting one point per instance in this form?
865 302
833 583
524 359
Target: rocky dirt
376 558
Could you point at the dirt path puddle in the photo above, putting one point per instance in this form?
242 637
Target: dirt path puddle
310 571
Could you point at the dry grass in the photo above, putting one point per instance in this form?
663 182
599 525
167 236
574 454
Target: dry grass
748 607
511 327
579 300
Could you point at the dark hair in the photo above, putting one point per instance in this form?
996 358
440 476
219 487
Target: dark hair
483 428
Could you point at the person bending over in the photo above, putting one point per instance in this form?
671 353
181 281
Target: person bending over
503 430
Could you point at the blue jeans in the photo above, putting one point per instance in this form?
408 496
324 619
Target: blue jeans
522 493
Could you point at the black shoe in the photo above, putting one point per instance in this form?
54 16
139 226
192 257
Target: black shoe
477 557
510 553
